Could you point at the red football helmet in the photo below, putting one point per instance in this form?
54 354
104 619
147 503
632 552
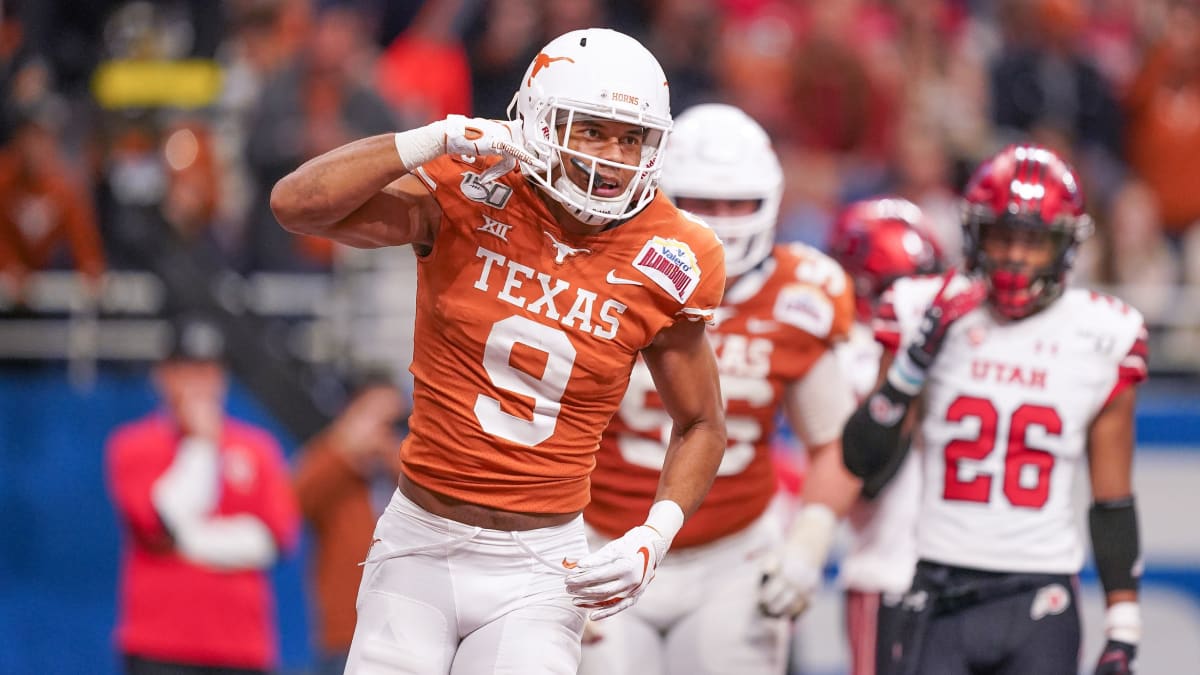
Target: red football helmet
878 241
1024 188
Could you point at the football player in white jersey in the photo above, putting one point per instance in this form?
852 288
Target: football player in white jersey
878 241
721 600
1020 378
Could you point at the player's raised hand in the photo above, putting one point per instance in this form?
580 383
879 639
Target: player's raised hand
612 578
476 136
1116 659
909 369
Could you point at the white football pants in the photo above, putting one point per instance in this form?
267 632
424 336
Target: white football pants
699 616
442 598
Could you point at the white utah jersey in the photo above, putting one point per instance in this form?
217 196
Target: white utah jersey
1007 410
882 552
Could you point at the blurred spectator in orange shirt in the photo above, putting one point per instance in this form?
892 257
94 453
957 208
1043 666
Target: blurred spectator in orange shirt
44 209
344 479
1162 138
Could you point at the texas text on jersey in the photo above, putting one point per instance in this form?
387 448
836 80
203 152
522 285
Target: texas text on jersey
525 335
1008 408
777 321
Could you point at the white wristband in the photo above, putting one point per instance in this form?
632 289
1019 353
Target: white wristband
665 517
420 145
1123 622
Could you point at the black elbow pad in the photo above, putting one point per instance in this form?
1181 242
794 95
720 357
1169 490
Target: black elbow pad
872 437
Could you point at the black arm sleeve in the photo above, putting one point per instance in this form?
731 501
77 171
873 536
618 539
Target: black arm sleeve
872 442
1114 530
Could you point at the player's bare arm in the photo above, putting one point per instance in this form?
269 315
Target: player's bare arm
1110 448
681 362
1112 520
360 195
817 407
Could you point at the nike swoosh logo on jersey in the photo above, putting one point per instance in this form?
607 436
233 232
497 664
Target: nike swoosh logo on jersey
612 278
569 565
760 325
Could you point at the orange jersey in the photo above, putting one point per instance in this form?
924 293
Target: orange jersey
775 323
526 335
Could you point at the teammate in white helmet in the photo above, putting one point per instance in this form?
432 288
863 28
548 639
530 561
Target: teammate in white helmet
537 290
721 601
1020 379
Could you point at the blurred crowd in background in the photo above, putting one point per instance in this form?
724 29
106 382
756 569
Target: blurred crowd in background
124 121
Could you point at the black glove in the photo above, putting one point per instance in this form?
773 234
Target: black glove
1116 659
911 366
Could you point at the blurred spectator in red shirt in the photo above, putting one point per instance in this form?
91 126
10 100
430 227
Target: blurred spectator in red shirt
845 78
344 479
45 211
424 73
207 508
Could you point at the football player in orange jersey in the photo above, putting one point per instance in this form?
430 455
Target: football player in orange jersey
719 603
537 289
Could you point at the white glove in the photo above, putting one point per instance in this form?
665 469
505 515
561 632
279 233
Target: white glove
477 136
472 136
793 572
612 578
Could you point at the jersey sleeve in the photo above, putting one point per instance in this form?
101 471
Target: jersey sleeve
1133 368
703 303
886 325
843 311
130 479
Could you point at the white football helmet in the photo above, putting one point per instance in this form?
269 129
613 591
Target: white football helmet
593 73
719 152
